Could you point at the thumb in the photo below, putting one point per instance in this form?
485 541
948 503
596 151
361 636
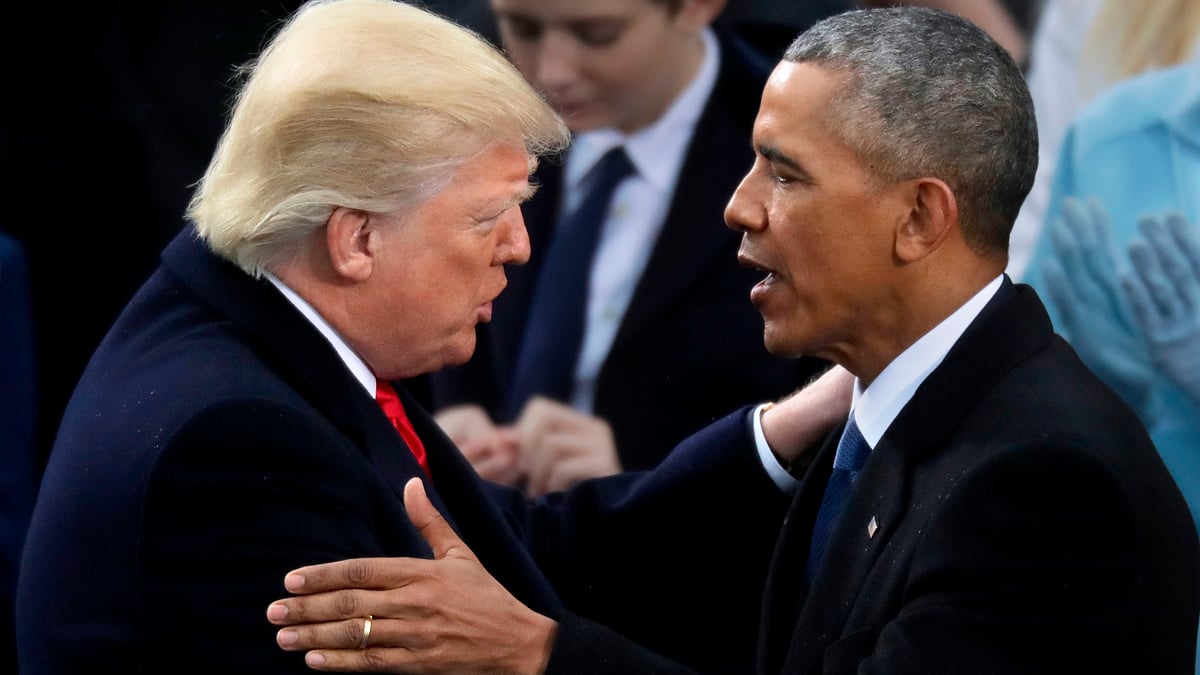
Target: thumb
430 523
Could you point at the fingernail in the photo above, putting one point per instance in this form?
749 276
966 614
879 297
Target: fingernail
293 582
277 612
314 659
287 637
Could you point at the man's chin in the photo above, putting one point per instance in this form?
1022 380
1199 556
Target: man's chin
460 353
781 346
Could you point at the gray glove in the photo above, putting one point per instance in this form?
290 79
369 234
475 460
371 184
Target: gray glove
1082 283
1164 290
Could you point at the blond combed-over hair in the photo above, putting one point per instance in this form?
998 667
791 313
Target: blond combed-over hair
364 104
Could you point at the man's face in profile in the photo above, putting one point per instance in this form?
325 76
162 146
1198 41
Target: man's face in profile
817 221
442 264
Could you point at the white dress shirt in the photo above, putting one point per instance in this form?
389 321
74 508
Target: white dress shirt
358 367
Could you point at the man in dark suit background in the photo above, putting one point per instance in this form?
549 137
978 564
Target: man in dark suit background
237 421
989 506
667 343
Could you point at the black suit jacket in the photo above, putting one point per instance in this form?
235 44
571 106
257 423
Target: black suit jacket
689 348
217 441
1025 524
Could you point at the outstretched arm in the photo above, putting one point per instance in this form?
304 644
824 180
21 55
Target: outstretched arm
447 615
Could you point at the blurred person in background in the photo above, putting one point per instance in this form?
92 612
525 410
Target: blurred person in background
1079 49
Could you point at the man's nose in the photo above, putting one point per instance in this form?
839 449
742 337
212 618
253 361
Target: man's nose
558 59
746 211
514 247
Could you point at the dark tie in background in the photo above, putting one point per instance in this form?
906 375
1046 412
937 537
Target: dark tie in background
554 330
852 453
389 402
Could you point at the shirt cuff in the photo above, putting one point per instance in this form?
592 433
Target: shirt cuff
779 475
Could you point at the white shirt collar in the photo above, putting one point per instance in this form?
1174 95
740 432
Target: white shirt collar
876 407
357 366
657 149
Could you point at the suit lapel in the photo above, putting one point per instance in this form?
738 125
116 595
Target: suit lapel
394 460
785 581
854 547
820 610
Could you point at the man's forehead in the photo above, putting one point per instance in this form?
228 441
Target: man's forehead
499 172
804 79
564 12
803 96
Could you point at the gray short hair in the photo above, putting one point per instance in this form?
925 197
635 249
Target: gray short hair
927 93
365 104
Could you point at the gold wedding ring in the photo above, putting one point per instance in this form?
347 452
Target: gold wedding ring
367 620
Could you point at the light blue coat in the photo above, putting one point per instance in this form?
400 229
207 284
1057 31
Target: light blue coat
1137 149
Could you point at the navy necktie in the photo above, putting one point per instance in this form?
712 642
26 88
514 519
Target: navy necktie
852 453
554 328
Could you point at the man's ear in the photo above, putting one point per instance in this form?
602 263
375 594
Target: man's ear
932 217
349 236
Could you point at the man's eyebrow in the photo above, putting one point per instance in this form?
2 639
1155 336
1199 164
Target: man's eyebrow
776 155
527 193
519 198
580 25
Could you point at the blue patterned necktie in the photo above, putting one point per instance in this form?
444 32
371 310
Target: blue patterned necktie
852 453
554 328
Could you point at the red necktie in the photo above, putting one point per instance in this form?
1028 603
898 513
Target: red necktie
389 401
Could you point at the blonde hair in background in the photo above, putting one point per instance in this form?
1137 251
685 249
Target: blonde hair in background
1129 37
365 104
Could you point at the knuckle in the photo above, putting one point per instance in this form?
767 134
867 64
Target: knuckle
346 603
374 660
358 572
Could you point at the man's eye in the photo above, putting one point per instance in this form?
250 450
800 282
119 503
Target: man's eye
522 29
600 34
